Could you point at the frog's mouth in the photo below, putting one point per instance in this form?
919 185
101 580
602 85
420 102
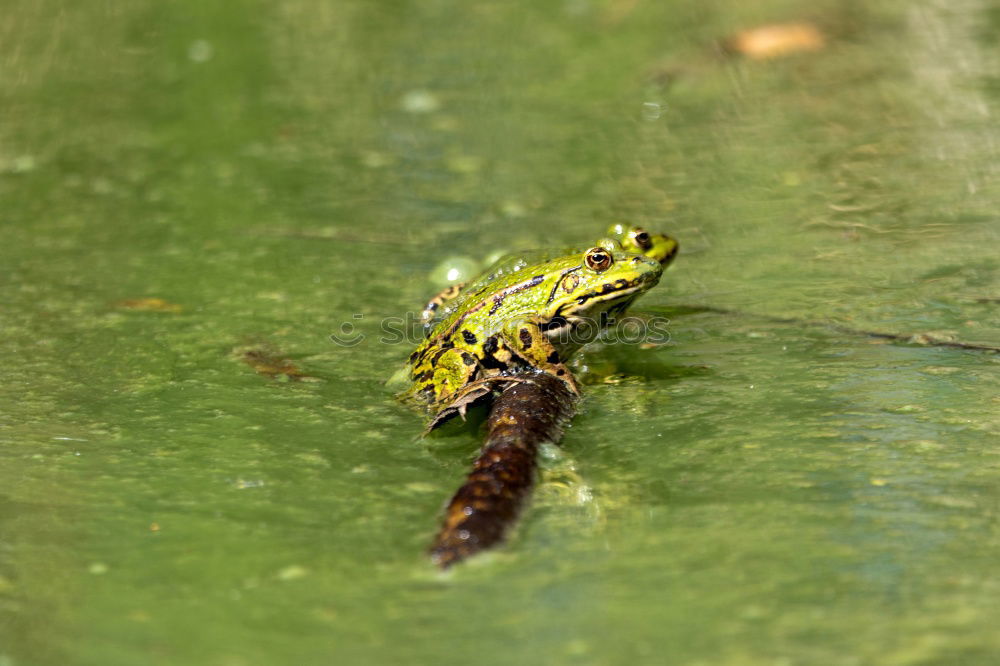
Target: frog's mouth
622 290
583 319
599 307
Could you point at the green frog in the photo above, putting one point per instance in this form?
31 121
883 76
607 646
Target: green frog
530 312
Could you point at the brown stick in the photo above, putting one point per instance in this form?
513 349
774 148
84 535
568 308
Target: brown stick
481 513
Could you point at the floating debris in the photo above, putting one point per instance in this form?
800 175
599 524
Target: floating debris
776 40
271 364
19 164
200 51
292 572
149 305
420 101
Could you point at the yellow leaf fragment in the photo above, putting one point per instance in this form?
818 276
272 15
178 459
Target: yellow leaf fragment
149 305
777 40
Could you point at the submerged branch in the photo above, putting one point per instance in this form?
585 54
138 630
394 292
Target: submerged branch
524 415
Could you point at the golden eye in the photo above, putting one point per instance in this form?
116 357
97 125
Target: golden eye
641 238
598 259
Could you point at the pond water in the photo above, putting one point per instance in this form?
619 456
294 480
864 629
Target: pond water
765 489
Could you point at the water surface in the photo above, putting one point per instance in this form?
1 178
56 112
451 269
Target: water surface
756 492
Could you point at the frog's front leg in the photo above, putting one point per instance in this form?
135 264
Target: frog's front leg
527 341
469 395
430 310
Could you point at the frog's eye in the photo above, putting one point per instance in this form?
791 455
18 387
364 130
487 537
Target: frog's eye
641 238
598 259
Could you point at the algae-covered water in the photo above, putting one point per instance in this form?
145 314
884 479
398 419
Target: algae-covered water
195 196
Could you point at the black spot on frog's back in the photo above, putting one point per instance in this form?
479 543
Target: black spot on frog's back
469 337
490 346
525 337
489 360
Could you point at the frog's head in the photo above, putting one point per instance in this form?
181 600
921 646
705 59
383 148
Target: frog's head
659 247
587 291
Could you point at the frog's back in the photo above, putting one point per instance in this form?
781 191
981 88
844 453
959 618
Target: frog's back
497 271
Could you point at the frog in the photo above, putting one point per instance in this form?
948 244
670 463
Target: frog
527 315
658 246
619 237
